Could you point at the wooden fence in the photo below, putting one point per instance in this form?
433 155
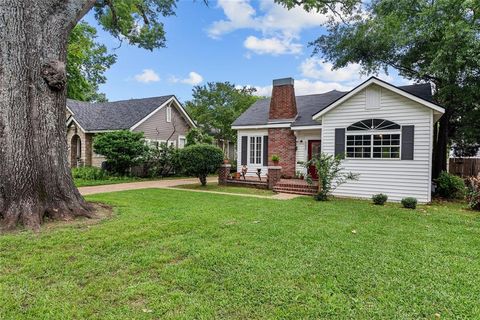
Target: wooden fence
464 167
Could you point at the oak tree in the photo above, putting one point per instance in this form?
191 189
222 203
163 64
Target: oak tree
35 178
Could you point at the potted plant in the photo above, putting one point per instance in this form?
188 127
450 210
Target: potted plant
226 161
237 175
275 159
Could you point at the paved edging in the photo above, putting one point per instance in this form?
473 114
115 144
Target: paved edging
171 184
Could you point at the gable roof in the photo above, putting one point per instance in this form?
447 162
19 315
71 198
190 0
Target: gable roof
309 106
117 115
411 92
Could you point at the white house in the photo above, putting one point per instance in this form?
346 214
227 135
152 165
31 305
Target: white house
384 132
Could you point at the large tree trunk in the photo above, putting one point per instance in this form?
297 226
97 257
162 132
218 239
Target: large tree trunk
440 147
35 179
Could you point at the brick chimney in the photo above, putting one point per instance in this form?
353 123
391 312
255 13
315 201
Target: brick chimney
283 104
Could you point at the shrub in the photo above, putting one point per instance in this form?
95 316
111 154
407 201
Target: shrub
379 199
89 173
163 160
473 194
122 149
330 174
450 186
200 160
198 136
409 203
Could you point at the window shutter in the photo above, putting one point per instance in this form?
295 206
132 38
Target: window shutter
265 151
340 142
244 150
408 133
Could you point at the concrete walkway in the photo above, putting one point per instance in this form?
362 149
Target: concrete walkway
171 184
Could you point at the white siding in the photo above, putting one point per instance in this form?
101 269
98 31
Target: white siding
302 147
251 168
396 178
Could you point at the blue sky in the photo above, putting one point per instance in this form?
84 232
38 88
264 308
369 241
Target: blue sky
244 42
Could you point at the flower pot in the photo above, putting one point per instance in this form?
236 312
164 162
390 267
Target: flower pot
275 163
225 161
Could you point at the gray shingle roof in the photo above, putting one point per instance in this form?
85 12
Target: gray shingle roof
309 105
116 115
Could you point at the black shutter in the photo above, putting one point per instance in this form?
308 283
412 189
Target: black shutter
408 133
244 150
340 142
265 151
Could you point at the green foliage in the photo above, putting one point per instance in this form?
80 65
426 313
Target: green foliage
87 61
330 174
450 186
217 104
163 160
200 160
409 203
198 136
136 21
275 158
473 193
425 41
379 199
89 173
122 149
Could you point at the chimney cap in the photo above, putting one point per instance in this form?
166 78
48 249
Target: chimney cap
283 82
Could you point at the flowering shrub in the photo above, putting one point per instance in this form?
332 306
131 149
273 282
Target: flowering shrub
473 194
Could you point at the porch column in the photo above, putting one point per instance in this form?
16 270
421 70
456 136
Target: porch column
223 173
274 176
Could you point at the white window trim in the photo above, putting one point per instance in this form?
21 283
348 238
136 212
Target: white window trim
178 141
371 133
169 114
249 149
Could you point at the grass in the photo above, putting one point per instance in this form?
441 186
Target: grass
170 254
218 188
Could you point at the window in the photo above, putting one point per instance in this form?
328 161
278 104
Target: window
386 146
373 143
169 114
181 142
373 124
255 150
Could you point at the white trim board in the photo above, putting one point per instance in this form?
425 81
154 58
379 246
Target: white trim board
382 84
167 103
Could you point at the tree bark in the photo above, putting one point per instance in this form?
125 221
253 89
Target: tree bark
440 148
35 178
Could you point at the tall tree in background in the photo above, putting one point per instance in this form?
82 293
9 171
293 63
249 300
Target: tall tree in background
216 105
87 62
437 41
35 179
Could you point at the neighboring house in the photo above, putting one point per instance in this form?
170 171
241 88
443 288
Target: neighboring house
159 118
384 132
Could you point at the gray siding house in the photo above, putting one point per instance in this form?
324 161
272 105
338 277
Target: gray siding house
161 119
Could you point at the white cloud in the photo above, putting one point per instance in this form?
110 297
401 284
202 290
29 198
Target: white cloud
305 87
147 76
192 79
280 27
273 46
315 68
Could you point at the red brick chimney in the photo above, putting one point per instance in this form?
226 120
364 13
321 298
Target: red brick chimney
282 104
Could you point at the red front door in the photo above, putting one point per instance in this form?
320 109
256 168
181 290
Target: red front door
314 148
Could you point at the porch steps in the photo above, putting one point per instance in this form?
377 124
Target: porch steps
295 187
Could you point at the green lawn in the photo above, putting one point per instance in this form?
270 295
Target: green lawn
170 254
218 188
